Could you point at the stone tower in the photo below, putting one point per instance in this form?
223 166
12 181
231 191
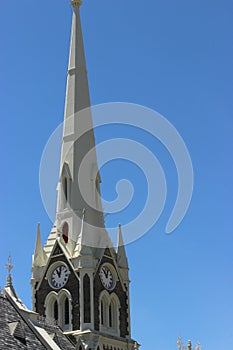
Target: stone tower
78 278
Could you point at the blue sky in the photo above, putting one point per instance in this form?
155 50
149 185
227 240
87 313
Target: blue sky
175 57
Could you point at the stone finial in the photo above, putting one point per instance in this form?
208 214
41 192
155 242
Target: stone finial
76 3
9 267
180 344
179 341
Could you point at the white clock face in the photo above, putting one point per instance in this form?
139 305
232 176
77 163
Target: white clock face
106 278
59 276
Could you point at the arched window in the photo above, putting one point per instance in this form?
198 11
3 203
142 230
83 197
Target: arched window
65 232
114 307
67 311
109 313
65 188
65 317
58 307
102 312
51 306
87 299
55 311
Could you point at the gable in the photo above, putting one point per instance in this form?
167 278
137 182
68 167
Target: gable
109 257
107 252
119 290
56 255
57 250
45 287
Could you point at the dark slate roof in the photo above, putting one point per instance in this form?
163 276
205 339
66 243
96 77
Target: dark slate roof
18 331
58 337
8 315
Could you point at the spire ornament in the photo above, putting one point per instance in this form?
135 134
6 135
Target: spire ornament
189 345
9 267
76 3
181 346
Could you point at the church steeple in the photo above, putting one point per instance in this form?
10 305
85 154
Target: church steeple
78 278
78 144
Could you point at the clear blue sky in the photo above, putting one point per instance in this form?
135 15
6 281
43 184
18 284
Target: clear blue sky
176 57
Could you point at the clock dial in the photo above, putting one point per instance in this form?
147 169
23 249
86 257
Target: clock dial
106 278
59 276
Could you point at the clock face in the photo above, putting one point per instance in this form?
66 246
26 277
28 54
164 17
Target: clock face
59 276
106 278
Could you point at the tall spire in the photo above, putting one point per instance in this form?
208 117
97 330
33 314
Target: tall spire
79 243
77 93
78 142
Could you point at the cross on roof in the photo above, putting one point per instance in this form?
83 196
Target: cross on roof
9 265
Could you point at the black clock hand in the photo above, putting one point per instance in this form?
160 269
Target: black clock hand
105 272
59 271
